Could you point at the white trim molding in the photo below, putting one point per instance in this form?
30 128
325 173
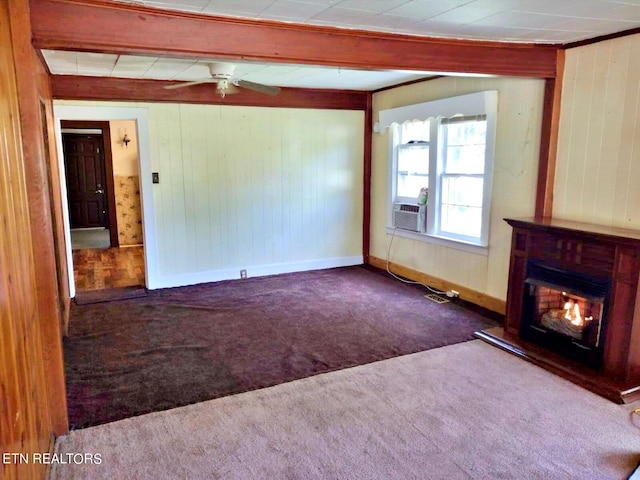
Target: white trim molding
257 271
463 105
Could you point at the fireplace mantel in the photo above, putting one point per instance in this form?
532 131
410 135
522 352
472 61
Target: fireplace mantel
606 252
597 232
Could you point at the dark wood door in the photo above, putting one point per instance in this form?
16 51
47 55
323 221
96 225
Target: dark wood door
86 180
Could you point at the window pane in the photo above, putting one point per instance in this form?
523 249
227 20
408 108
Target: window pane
461 206
465 146
462 191
461 220
413 170
465 159
414 132
466 132
413 159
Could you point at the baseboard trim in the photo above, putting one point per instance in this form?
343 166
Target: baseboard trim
132 245
467 294
254 271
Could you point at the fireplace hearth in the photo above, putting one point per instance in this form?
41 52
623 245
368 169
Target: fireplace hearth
571 304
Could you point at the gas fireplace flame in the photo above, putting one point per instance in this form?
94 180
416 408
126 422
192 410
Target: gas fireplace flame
572 312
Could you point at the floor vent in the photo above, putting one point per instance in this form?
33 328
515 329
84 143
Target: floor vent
436 298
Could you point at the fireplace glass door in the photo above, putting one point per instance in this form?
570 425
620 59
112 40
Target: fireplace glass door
567 316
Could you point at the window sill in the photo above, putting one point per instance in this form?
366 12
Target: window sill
435 240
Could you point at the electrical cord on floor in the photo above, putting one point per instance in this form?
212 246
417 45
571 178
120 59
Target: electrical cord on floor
404 280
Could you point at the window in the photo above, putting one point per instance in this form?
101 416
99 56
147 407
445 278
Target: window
461 177
449 154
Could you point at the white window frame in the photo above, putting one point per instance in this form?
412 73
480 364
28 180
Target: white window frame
471 105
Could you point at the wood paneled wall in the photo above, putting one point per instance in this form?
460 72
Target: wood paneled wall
32 294
45 214
51 178
25 424
598 161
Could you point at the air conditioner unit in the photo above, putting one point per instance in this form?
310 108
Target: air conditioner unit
409 216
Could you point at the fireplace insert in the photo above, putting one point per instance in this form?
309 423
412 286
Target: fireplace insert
565 311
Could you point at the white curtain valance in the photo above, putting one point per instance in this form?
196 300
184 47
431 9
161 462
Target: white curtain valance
463 105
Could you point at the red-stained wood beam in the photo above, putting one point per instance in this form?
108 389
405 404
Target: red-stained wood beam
549 142
99 26
366 191
72 87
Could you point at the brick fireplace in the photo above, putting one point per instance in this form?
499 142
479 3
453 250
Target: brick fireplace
571 304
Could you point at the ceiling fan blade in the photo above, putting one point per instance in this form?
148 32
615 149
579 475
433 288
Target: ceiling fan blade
188 84
257 87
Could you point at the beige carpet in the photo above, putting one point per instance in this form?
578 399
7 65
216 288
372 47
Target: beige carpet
462 411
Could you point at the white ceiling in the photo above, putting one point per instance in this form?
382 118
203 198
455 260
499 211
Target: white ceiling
539 21
543 21
282 75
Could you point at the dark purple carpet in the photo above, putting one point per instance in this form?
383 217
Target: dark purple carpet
184 345
109 295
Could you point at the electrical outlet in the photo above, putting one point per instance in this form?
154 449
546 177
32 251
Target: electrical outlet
243 274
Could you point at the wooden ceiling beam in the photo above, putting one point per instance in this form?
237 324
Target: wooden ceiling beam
71 87
100 26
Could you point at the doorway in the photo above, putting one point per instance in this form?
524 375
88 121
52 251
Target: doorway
104 206
139 117
88 163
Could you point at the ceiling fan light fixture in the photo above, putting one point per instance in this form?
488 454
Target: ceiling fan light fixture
221 74
222 86
221 70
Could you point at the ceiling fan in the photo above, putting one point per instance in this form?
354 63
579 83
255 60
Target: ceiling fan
222 75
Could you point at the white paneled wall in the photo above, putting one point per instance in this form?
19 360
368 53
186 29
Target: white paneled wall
514 183
598 165
269 190
262 189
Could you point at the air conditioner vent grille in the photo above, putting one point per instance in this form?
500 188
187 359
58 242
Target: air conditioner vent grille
404 207
410 217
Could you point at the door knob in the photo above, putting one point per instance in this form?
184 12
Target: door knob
99 191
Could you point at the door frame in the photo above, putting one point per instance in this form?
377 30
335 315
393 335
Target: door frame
55 219
106 113
108 166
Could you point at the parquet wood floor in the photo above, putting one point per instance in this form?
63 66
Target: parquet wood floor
100 268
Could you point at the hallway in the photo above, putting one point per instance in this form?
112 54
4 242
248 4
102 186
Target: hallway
102 268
